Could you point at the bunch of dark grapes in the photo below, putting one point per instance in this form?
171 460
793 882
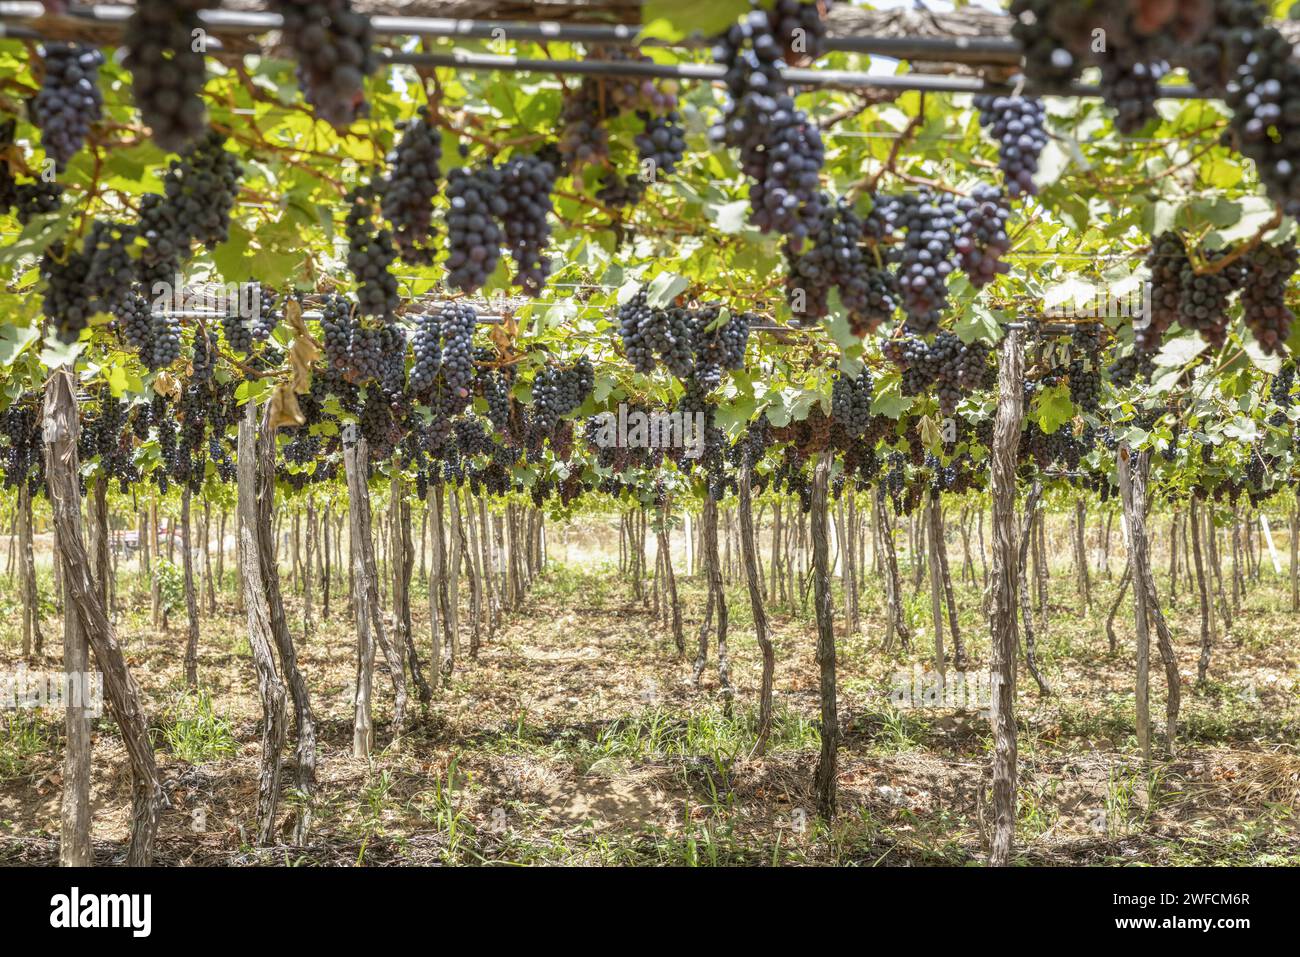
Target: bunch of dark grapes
1264 94
1279 393
619 192
851 400
1167 262
1203 297
332 44
1263 297
312 402
141 420
871 297
264 314
164 420
237 330
647 333
1017 123
1058 41
36 199
444 407
1225 41
925 260
370 254
167 73
427 348
201 187
982 240
366 357
337 326
68 103
831 257
135 322
671 334
24 458
407 196
1130 87
1085 367
756 440
376 425
302 448
102 425
942 477
456 322
1248 64
800 27
973 366
780 149
191 445
473 237
392 362
946 357
1128 368
913 356
166 341
1045 448
111 269
718 346
884 223
67 302
497 393
528 181
695 401
583 138
166 242
472 437
660 146
203 359
551 400
633 317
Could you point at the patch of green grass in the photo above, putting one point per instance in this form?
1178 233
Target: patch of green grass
22 740
374 803
658 734
1112 718
1132 796
441 807
1036 807
193 731
1267 841
891 730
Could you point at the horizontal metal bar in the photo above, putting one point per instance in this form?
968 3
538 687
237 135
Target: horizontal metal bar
711 72
255 22
1046 328
956 48
485 318
965 49
935 49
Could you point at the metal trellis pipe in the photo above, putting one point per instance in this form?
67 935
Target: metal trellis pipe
979 49
916 48
484 318
1033 325
710 72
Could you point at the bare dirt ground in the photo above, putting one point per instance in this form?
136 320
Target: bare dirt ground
577 737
